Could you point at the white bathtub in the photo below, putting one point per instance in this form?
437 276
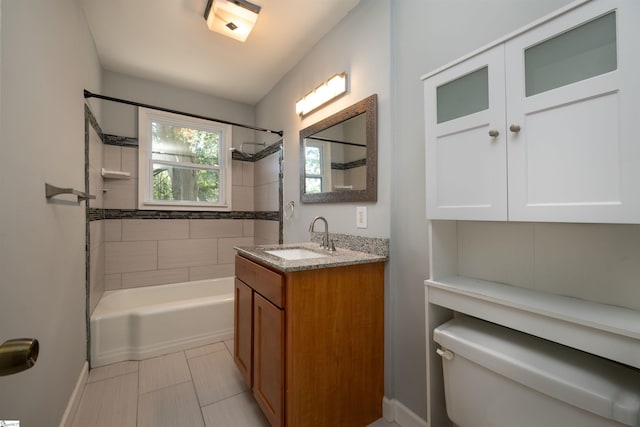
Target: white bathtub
135 324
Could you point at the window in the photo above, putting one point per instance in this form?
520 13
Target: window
184 163
317 177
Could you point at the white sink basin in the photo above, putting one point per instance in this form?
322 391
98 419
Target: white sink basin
295 254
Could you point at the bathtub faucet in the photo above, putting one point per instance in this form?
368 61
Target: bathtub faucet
326 243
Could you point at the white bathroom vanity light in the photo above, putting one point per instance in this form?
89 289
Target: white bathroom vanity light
327 91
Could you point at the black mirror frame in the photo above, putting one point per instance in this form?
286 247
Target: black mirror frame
368 106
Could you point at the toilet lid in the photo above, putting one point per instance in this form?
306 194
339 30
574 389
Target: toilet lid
597 385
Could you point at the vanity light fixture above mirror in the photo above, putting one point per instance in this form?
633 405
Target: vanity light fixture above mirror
327 91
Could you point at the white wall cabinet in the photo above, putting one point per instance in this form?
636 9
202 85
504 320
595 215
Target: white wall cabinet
540 125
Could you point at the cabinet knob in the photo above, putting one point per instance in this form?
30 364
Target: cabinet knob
514 128
493 133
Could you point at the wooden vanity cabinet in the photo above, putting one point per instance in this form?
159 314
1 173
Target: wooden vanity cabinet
259 335
317 342
243 332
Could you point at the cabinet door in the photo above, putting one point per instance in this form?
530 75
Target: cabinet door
268 362
243 331
572 88
466 169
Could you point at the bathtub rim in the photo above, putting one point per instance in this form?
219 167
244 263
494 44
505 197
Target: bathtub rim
148 289
101 357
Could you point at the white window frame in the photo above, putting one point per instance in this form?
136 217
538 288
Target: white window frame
145 169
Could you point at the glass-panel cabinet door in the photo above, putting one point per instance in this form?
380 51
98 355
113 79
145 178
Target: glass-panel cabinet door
463 96
578 54
572 104
465 139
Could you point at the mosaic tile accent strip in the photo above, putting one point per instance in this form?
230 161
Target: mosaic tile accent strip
94 123
127 141
89 121
269 150
349 165
281 198
94 214
371 245
98 214
122 141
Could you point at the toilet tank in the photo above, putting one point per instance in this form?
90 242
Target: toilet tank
498 377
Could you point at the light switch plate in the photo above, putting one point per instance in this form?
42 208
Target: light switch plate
361 217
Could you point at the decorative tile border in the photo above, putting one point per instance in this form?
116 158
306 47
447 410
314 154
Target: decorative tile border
94 123
127 141
349 165
269 150
371 245
98 214
89 122
122 141
280 197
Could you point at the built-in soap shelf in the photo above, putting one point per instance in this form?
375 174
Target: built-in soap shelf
605 330
109 174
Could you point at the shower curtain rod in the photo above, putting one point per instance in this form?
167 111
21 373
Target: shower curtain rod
88 94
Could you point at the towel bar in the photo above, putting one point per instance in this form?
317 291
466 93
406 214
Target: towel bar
52 191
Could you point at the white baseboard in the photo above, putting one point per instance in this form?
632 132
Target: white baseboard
396 412
74 400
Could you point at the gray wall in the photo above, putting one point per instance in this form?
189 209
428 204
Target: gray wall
359 45
47 58
427 34
122 120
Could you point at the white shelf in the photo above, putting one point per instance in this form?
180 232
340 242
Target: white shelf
107 174
605 330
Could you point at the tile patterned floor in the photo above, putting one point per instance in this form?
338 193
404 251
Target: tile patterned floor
200 387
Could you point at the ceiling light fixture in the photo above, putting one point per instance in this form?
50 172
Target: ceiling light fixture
327 91
232 18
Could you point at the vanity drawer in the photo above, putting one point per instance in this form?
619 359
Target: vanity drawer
266 282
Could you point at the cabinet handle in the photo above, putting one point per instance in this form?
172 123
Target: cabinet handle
514 128
493 133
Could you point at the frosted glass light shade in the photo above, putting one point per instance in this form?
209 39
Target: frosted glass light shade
233 19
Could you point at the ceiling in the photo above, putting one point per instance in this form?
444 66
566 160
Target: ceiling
168 41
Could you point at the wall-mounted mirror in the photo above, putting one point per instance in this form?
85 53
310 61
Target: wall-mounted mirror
339 156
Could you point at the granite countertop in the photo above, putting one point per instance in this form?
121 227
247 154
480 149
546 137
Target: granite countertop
339 258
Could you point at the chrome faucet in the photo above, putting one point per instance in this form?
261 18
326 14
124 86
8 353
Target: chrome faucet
326 244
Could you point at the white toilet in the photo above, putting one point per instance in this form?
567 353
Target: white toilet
497 377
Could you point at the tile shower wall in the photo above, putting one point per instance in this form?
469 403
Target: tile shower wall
242 192
267 197
121 193
131 252
143 252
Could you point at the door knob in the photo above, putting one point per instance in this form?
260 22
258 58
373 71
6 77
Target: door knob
493 133
514 128
18 355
